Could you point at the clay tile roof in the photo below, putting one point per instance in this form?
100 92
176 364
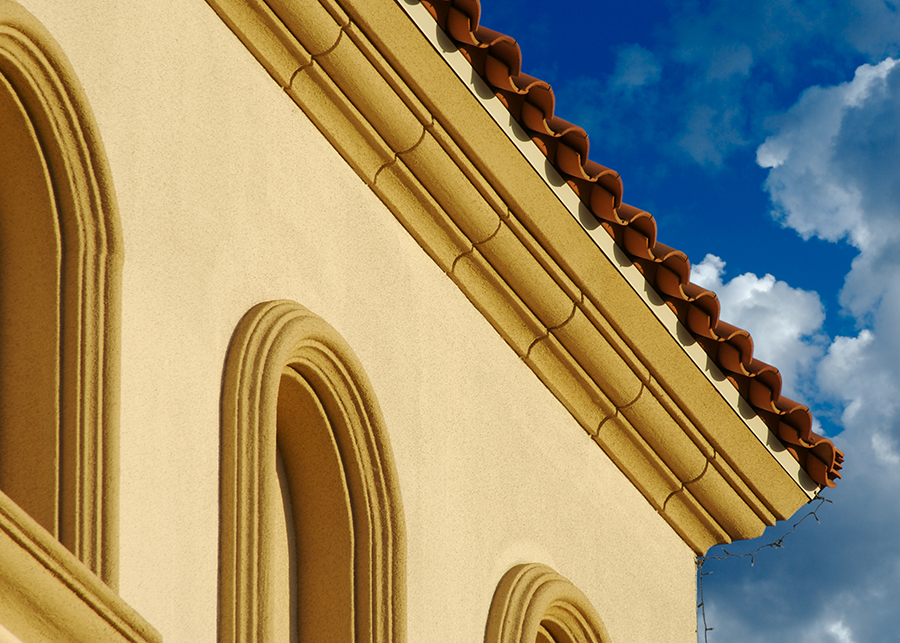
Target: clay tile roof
497 58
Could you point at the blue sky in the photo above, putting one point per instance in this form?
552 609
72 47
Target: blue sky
765 139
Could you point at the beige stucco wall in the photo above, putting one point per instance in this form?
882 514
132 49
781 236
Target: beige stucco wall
229 196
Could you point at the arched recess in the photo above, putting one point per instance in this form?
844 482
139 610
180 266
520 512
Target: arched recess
534 604
60 271
293 390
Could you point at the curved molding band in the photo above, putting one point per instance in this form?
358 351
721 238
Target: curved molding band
273 341
46 594
534 603
71 313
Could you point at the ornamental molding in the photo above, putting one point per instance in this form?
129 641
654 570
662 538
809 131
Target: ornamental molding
280 345
50 595
424 142
534 603
60 338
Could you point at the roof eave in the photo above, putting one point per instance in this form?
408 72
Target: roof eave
408 113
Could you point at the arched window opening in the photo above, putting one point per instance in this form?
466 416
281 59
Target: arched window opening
29 318
320 505
60 269
312 543
285 563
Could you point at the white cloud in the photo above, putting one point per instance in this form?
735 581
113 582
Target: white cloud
834 174
840 632
808 183
872 26
708 273
846 356
885 450
785 322
861 373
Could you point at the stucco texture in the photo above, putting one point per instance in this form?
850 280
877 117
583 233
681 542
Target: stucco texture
229 196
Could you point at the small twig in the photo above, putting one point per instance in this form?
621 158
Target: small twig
701 560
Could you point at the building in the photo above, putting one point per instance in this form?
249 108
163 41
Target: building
315 320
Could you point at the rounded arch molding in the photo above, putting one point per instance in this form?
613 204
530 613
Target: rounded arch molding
281 345
60 250
535 604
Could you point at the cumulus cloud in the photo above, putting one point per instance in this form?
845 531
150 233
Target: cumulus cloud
816 188
872 26
885 450
785 322
825 624
737 71
834 174
861 374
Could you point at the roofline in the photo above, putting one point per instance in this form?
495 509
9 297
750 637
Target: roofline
378 90
567 196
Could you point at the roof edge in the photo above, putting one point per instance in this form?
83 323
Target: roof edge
617 257
391 106
565 146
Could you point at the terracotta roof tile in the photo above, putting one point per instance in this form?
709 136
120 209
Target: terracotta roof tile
497 58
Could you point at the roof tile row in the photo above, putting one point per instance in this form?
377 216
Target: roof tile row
497 58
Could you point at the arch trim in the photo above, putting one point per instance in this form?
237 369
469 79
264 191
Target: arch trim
89 264
532 599
271 337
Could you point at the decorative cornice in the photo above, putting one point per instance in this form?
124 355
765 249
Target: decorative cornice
534 603
88 260
282 339
49 595
394 109
564 157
